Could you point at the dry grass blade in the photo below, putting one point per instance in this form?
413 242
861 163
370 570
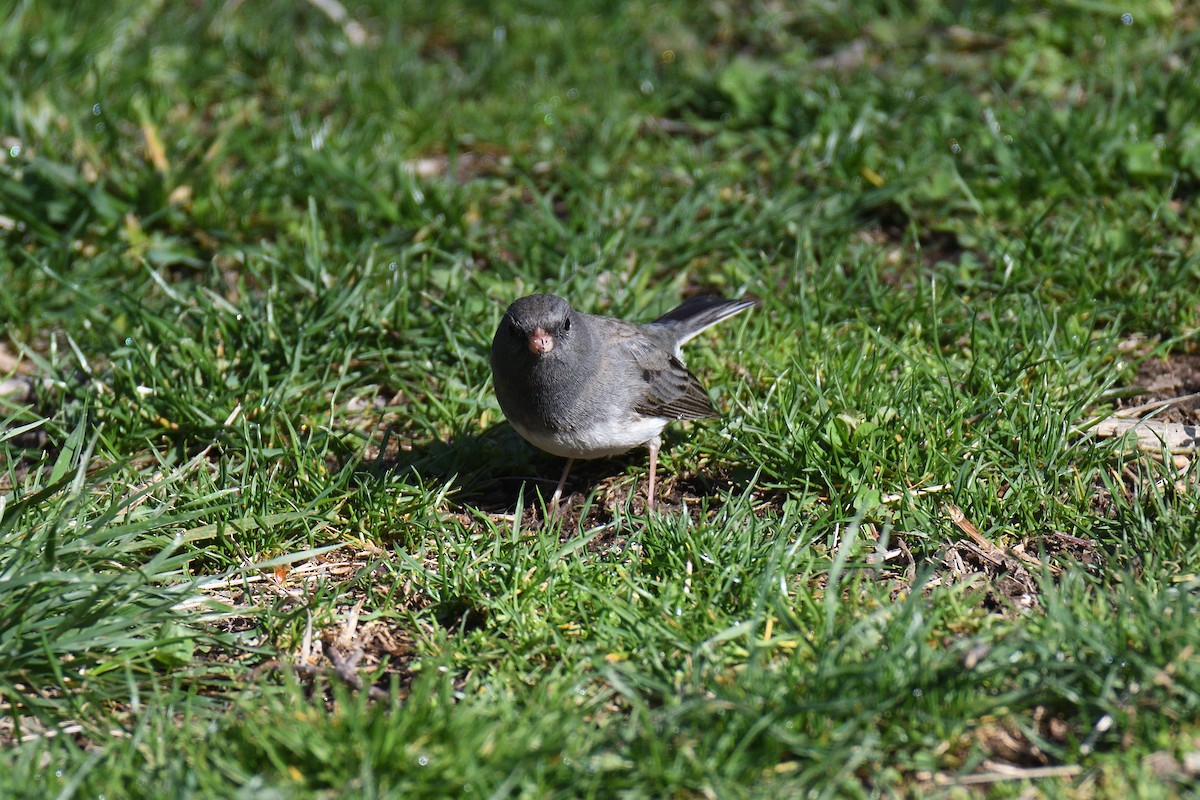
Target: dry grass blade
887 499
990 549
1138 410
998 773
1153 436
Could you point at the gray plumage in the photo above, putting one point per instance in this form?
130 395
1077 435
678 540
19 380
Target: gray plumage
584 386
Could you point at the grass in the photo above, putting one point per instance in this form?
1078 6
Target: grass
264 532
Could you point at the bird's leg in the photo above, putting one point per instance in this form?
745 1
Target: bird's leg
653 445
561 483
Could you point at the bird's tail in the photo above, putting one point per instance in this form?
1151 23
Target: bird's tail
699 313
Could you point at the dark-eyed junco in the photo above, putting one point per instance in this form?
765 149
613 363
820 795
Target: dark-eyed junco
583 386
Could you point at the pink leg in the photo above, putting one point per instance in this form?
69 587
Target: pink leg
653 445
561 483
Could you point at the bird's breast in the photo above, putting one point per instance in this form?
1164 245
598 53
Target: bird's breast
597 437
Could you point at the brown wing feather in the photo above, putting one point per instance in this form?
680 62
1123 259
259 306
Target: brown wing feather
664 387
670 390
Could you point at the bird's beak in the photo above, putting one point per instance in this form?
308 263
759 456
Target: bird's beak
540 342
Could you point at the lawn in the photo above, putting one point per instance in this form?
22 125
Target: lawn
265 533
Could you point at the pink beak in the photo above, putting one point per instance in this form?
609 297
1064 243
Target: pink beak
540 342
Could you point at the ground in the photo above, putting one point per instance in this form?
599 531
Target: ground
265 532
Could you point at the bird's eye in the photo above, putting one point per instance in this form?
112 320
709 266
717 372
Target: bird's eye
567 324
514 331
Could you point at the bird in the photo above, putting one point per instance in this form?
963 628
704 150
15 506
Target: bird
584 386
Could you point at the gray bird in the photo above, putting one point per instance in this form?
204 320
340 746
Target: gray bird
583 386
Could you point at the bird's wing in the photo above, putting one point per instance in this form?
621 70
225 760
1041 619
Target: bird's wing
668 389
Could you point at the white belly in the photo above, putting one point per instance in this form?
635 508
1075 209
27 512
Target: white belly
604 438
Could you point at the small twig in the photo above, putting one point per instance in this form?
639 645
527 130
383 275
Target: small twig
992 555
990 549
956 564
1076 540
874 559
346 669
1006 772
966 526
1152 435
1133 411
346 637
306 646
910 567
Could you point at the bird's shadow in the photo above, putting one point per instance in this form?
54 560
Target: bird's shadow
494 472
